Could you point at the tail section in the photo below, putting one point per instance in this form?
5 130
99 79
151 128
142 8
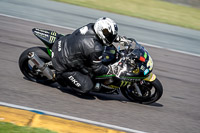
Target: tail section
46 36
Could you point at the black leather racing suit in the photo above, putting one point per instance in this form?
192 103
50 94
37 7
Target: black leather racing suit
78 54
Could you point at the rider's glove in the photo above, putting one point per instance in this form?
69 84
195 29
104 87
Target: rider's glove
120 39
123 39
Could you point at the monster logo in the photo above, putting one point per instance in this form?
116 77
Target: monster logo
124 83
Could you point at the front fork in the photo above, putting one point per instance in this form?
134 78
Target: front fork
150 78
137 89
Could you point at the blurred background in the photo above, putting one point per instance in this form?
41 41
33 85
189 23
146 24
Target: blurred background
193 3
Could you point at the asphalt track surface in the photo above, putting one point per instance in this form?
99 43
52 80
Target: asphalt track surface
177 111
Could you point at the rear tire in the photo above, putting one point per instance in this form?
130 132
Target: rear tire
147 97
29 71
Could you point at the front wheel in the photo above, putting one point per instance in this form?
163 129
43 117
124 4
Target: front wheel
151 92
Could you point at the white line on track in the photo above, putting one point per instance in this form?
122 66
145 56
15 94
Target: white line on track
73 118
169 49
64 27
147 44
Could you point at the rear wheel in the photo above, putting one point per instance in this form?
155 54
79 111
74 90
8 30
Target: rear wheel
151 92
29 70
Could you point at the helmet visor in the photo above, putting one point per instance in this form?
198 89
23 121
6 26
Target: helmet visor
109 36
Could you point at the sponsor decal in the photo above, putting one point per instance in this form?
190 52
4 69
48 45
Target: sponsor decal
52 54
145 55
124 83
142 68
74 81
49 52
41 34
84 30
52 39
112 51
150 63
153 77
107 57
59 45
142 59
44 31
53 33
146 71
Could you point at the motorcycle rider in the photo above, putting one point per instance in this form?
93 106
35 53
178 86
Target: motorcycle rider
77 57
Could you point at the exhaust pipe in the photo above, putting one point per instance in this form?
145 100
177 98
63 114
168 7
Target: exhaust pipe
41 65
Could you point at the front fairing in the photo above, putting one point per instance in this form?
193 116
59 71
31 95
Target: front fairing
142 60
139 63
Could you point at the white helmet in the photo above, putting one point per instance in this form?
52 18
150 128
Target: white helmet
106 29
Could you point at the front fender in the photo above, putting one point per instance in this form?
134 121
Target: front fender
151 77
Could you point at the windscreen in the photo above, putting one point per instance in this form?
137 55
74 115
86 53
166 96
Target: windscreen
140 52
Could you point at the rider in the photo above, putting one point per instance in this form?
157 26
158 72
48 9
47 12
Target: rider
77 57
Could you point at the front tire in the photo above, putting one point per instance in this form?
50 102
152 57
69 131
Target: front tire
151 92
31 72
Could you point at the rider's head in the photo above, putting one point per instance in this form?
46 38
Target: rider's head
106 29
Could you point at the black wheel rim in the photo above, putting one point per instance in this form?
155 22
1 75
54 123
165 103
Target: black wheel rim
149 94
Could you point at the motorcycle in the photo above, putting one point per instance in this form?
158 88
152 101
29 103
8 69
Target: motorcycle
132 67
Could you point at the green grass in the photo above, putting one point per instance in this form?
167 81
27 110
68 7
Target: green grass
11 128
155 10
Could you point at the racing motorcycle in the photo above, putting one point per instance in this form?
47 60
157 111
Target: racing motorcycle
132 76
